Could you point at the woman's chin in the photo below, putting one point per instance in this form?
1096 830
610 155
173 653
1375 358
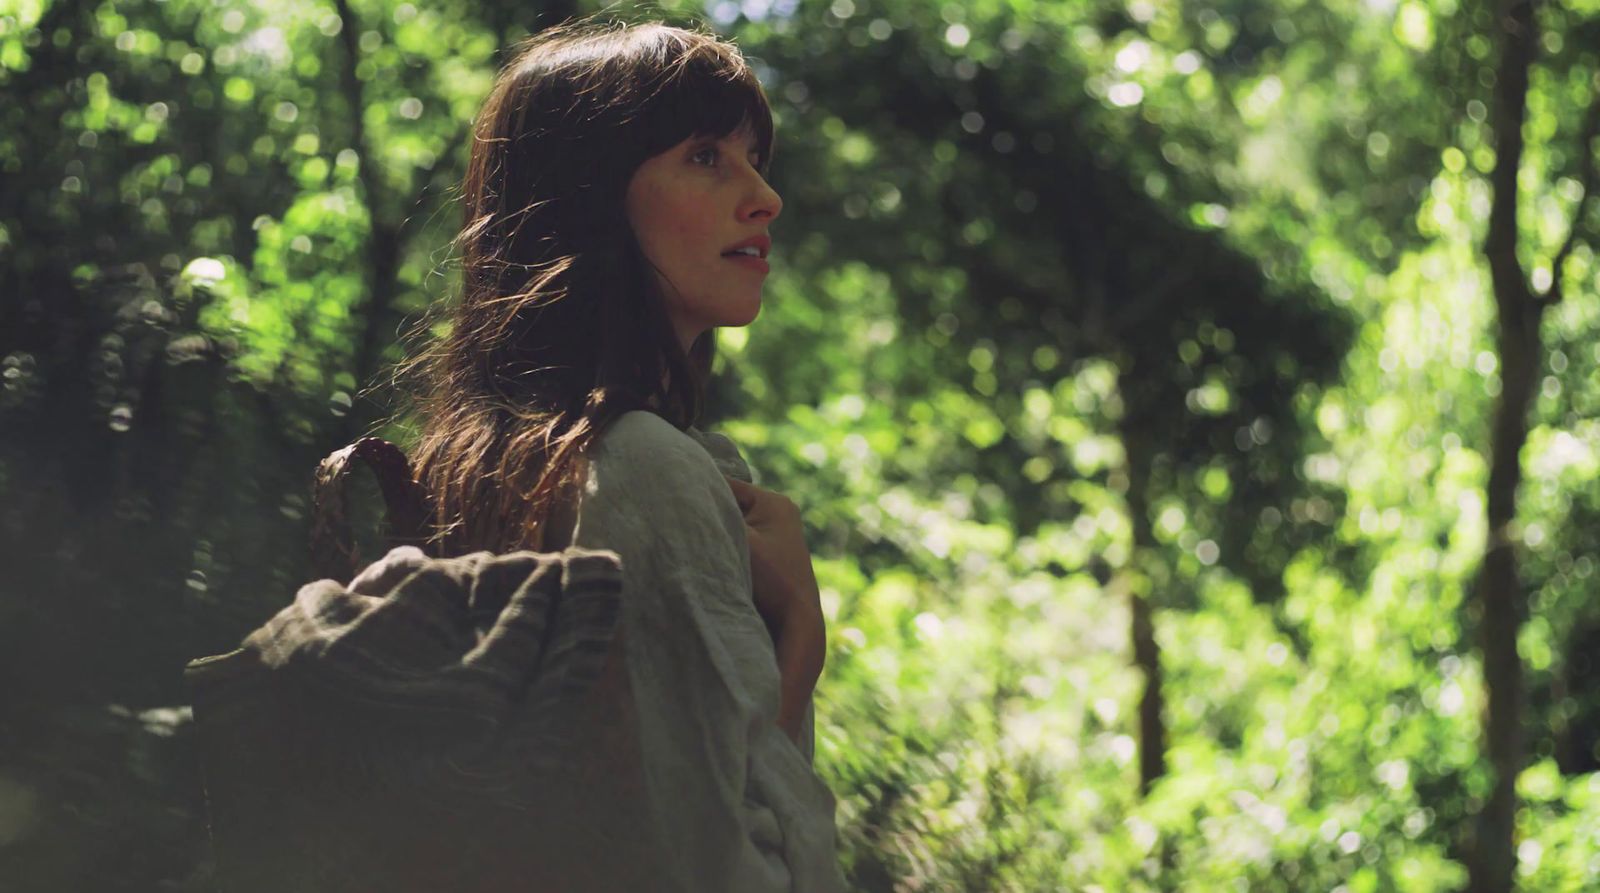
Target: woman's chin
743 315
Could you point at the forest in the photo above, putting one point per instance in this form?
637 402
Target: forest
1194 407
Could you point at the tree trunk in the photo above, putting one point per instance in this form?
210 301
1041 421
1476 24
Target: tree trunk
1499 591
1519 310
1138 583
383 237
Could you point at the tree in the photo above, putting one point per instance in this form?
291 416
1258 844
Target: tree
1520 309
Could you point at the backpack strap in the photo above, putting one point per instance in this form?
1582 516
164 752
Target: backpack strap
334 553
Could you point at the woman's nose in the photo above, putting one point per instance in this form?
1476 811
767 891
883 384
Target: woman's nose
765 199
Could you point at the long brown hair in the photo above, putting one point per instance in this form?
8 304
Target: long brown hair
559 328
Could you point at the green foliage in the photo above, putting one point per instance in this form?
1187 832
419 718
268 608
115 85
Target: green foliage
1072 304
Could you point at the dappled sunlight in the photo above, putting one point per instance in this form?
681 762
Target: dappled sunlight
1136 368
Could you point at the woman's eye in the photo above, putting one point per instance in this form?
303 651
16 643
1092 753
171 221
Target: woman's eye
710 156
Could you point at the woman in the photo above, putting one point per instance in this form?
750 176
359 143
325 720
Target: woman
616 213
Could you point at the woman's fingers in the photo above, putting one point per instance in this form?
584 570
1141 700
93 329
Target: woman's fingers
743 493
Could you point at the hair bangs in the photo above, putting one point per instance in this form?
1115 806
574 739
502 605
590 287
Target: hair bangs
710 90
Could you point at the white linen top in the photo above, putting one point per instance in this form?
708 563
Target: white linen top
692 692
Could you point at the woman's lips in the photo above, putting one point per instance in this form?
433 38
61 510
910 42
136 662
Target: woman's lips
754 263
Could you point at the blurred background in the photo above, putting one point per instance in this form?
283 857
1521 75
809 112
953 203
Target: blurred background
1151 374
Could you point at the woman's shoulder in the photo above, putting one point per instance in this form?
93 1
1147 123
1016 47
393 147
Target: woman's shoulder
647 478
642 434
725 453
642 449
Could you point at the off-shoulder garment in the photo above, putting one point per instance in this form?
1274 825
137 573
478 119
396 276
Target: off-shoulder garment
688 707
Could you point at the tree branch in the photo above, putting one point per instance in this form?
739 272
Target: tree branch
1586 176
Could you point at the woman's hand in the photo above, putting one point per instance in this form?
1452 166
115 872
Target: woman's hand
786 594
780 563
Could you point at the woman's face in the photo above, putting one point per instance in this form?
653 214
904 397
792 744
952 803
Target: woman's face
689 206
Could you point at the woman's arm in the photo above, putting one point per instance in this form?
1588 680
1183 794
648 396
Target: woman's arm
786 596
699 672
802 648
